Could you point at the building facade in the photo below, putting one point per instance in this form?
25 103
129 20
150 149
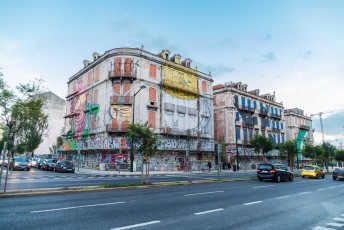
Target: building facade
55 108
298 128
175 100
239 114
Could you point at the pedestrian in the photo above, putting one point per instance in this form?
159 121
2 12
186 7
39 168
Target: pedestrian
209 165
190 165
229 166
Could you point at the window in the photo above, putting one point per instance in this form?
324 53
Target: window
282 138
254 104
151 118
243 101
152 71
276 111
249 103
89 78
97 74
278 139
238 133
95 97
152 94
204 86
250 134
236 100
237 117
281 125
245 134
272 110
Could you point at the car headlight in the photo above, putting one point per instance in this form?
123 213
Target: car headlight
64 167
16 164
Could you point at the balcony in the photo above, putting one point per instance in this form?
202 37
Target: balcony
121 70
263 112
192 89
304 127
121 100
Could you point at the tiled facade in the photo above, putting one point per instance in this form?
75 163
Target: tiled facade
176 102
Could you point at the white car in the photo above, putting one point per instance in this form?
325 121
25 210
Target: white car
33 161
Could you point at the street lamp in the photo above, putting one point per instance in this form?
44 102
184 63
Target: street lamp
132 122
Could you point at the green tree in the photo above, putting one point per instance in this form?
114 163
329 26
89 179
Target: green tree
289 148
261 144
308 151
328 153
339 155
145 141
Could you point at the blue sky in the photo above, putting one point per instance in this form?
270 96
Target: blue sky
295 48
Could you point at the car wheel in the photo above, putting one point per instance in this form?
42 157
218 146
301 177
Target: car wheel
303 176
291 178
261 179
278 178
334 178
28 169
323 176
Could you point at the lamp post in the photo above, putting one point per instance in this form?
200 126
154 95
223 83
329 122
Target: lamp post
132 122
236 144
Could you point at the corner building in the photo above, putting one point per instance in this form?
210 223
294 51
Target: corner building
175 100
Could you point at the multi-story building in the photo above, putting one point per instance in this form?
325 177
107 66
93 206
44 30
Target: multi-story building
298 128
55 108
239 114
175 99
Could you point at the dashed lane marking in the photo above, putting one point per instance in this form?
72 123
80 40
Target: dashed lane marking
137 225
302 193
209 211
281 197
255 202
203 193
264 186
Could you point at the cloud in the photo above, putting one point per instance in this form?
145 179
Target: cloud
267 37
305 54
269 57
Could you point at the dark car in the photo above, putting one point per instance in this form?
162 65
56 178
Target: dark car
19 163
338 173
276 172
48 164
39 164
64 166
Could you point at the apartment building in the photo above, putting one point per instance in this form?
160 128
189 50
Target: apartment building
240 113
174 98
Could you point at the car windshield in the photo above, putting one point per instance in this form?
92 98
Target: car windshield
51 161
67 163
268 167
338 170
308 168
20 160
35 159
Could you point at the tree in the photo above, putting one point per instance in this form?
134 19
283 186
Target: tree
22 115
146 142
308 151
290 149
328 153
261 144
339 155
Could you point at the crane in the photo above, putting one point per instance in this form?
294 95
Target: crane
320 117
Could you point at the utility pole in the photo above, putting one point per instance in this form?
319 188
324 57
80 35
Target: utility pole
3 156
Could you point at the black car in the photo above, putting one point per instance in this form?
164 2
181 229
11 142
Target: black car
39 163
338 173
19 163
48 164
276 172
64 166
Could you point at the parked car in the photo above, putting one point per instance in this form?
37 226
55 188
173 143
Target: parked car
64 166
312 171
19 163
277 172
48 164
33 161
6 160
39 163
338 173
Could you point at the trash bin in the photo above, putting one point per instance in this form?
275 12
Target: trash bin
102 166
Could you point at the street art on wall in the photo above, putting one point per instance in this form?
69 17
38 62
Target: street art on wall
182 144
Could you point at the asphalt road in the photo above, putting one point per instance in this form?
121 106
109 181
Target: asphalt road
38 179
301 204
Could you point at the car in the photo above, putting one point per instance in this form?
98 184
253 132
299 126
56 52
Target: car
19 163
33 161
338 173
276 172
6 160
312 171
39 163
64 166
48 164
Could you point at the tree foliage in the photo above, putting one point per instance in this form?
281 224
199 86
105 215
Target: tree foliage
289 149
339 155
261 144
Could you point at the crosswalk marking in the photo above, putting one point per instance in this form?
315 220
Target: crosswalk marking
335 224
323 228
338 219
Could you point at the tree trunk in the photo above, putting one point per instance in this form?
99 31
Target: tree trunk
142 169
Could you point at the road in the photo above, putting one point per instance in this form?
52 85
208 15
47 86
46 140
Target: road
301 204
38 179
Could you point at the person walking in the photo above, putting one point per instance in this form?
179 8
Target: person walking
209 165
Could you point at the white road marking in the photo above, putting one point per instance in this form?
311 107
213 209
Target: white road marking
323 228
84 206
137 225
255 202
281 197
264 186
335 224
299 182
302 193
342 215
210 211
203 193
333 187
339 219
320 189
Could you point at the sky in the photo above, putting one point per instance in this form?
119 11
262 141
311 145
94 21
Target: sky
294 48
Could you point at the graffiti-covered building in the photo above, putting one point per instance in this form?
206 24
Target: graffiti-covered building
298 128
239 114
175 99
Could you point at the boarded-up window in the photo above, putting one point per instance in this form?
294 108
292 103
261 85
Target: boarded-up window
152 71
126 87
204 86
75 87
117 88
214 99
117 64
95 97
152 94
97 74
89 78
127 67
151 118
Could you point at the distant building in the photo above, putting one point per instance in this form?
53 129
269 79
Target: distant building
298 128
175 100
239 114
54 107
